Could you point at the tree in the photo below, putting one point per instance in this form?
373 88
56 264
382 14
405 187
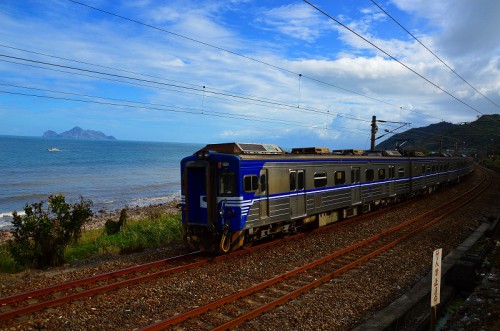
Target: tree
41 235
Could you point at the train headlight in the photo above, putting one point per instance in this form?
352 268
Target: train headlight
202 155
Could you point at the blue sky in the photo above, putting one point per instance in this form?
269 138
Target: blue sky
298 78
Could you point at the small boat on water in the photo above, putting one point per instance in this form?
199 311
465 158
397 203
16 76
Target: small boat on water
53 149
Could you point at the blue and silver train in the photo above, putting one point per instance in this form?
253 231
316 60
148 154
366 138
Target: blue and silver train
235 193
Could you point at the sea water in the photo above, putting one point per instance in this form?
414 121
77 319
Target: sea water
113 174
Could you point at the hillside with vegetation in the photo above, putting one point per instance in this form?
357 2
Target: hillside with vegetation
481 137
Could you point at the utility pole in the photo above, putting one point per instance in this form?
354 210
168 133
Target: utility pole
374 131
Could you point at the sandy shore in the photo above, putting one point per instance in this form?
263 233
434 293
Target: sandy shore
100 217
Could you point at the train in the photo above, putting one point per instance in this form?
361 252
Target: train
233 194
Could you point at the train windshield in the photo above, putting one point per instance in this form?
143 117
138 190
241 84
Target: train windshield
227 184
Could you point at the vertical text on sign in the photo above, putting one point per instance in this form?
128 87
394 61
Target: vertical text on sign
436 277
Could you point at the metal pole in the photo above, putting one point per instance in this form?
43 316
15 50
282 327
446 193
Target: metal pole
433 318
374 130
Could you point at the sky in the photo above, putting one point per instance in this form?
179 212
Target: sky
278 72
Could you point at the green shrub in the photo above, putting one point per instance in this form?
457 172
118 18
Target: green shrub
7 262
113 227
41 236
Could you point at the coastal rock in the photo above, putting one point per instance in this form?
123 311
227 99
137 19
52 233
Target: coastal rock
78 133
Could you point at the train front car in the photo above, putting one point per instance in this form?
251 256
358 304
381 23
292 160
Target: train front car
215 202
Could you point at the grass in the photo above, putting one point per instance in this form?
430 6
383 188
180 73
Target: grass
7 263
136 235
159 230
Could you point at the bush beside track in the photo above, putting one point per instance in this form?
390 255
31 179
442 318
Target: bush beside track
147 232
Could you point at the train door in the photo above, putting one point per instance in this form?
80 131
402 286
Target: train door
392 185
198 194
264 194
356 185
297 193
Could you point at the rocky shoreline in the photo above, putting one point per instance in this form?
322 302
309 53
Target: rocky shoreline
100 217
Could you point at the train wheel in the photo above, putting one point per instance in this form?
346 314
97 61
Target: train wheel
249 239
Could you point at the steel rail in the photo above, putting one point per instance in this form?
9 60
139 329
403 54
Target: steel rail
258 287
271 305
93 279
106 288
110 287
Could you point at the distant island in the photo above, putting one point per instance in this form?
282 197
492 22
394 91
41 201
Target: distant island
78 133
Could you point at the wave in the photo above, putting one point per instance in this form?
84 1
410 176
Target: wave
9 214
6 220
5 225
155 200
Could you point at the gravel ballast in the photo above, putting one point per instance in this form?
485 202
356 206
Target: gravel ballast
341 303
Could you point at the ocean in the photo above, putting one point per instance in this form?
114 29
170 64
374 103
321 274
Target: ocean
113 174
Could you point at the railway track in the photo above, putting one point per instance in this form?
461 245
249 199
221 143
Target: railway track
36 300
28 302
249 303
17 305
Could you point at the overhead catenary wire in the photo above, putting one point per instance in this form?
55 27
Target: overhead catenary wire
215 114
437 57
200 90
117 69
392 57
156 106
92 64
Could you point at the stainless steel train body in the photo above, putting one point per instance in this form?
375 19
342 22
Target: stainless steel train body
235 193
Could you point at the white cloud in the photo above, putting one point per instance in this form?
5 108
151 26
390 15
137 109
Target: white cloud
350 64
298 21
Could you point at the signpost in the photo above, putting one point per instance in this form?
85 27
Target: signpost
436 285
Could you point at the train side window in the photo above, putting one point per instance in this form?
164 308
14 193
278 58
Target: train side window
392 172
320 179
423 169
227 184
300 180
434 168
293 180
339 177
370 175
250 183
401 172
355 174
263 183
428 169
381 173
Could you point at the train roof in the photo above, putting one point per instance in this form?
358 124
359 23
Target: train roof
245 149
267 151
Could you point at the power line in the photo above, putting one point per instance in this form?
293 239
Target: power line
153 106
117 69
392 57
229 51
177 86
437 57
93 64
215 113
